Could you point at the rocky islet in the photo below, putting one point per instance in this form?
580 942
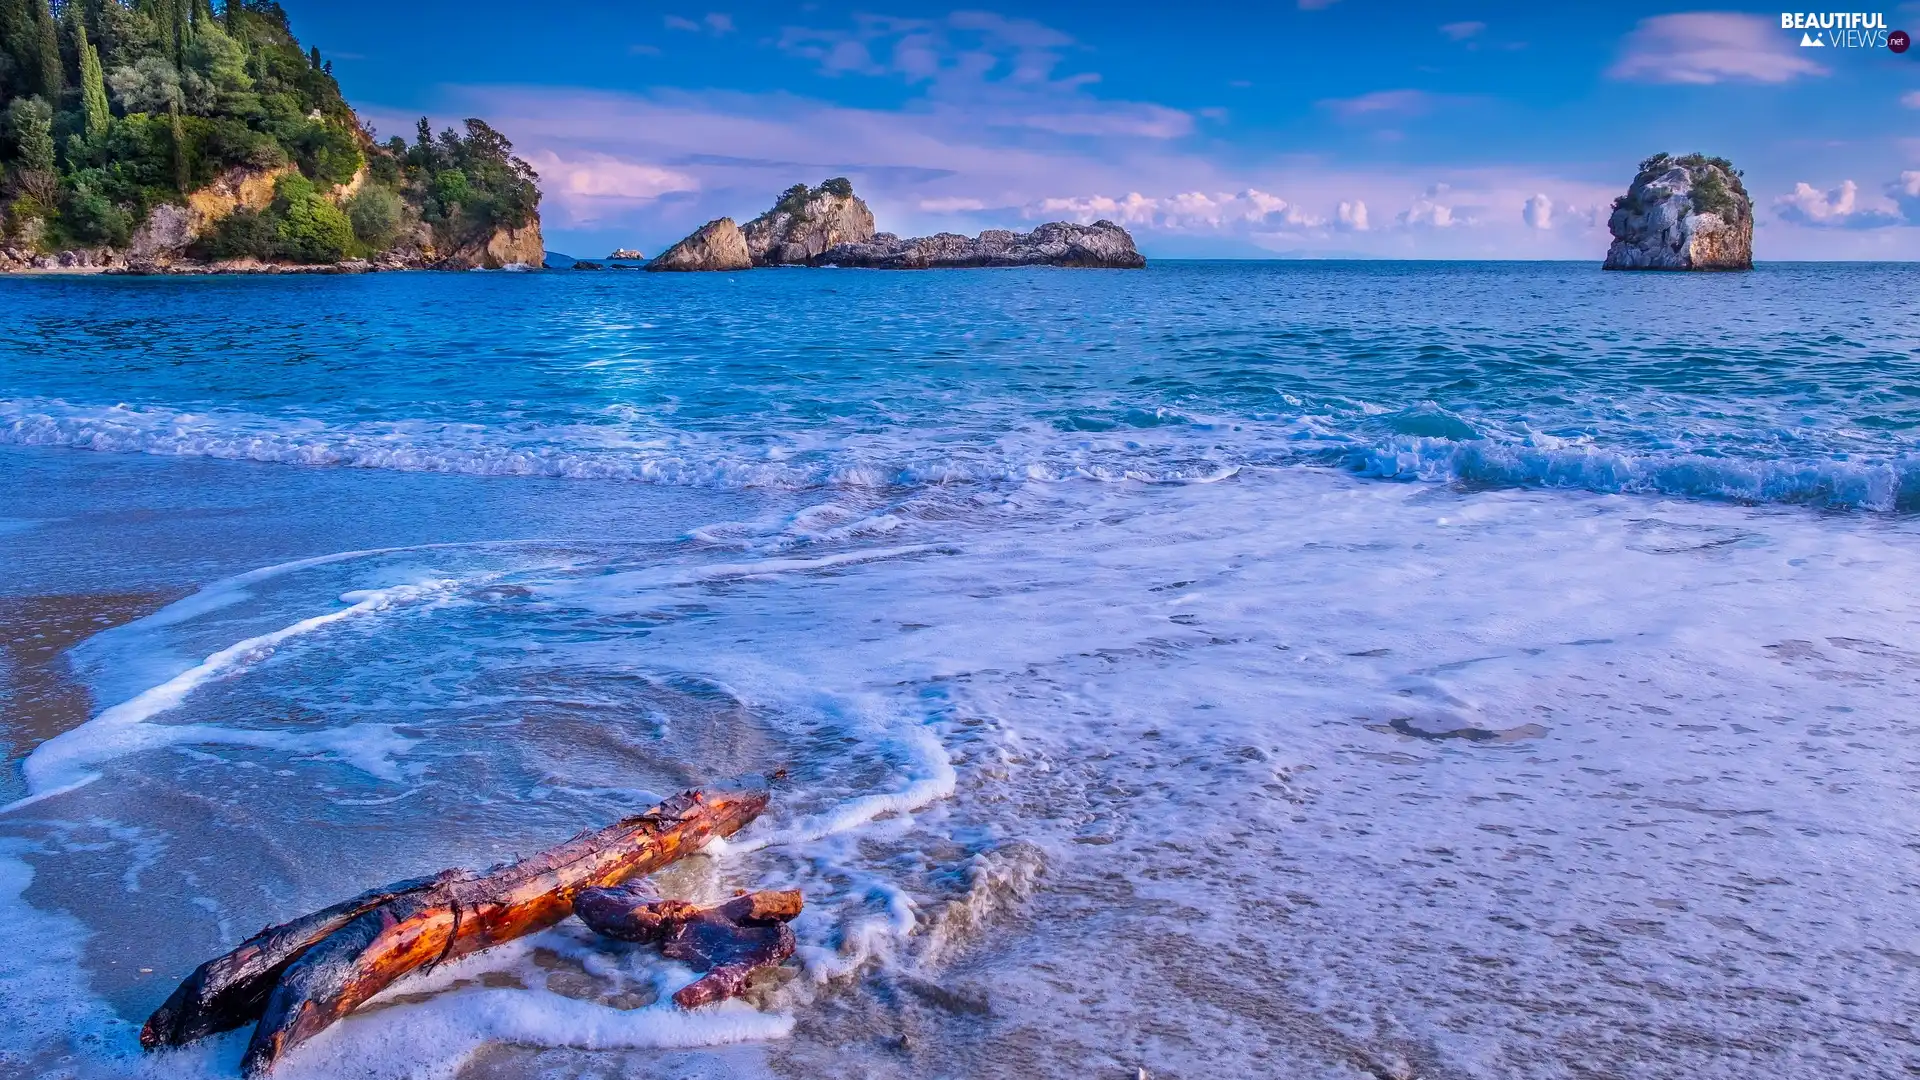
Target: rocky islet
829 225
1685 213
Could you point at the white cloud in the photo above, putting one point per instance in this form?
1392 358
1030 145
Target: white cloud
964 49
1428 212
1461 31
1538 212
1905 192
1119 118
1702 48
579 184
951 205
1191 211
1006 70
713 22
1351 216
1839 208
1380 102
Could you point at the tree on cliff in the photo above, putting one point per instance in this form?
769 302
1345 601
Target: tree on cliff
141 102
97 113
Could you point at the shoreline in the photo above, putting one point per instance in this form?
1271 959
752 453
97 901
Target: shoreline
353 266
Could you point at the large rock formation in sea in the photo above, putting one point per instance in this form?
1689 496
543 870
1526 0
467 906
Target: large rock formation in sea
1059 243
717 245
806 222
830 226
1687 213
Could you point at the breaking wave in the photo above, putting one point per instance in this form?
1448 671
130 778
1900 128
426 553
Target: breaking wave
1423 443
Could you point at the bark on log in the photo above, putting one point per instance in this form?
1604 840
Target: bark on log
230 991
299 978
728 941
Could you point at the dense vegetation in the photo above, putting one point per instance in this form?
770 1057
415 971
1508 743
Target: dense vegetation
109 108
794 199
1715 185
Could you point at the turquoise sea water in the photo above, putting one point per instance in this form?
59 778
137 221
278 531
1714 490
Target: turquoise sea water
1226 669
1791 384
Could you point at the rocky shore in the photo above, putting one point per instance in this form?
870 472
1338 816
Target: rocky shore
1686 213
108 261
170 239
1101 244
831 226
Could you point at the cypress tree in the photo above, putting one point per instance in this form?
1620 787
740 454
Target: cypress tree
53 74
182 175
21 38
93 83
182 31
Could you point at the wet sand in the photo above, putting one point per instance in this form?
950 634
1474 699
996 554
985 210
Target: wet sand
39 697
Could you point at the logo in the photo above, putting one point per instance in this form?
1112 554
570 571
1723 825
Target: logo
1841 29
1898 41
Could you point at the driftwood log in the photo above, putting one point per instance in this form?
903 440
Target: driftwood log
728 941
296 979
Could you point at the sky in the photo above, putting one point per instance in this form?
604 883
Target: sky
1277 129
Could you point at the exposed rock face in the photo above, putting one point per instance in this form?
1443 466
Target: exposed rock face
166 232
806 222
506 247
717 245
169 229
1059 243
1689 213
235 189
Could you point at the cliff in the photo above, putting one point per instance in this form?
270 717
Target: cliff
806 222
717 245
1689 213
830 226
1100 245
106 166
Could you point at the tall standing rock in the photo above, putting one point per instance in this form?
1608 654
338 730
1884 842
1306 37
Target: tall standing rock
717 245
1688 213
806 222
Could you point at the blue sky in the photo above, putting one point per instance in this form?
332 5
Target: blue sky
1293 127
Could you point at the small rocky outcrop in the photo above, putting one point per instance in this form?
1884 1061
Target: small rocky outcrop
1687 213
806 222
1101 245
717 245
627 253
505 248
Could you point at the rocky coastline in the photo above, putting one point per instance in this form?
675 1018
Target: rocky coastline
829 225
1102 245
81 261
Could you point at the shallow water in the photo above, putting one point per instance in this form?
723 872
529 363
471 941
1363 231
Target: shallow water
1226 670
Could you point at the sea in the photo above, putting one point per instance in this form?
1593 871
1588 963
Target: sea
1229 669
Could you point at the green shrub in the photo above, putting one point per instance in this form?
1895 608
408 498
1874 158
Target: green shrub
314 230
240 234
451 188
328 152
92 218
376 215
